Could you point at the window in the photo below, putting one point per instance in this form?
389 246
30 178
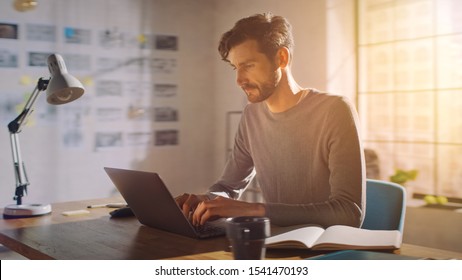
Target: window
410 89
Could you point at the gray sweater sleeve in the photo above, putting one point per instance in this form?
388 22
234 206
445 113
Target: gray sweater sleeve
239 169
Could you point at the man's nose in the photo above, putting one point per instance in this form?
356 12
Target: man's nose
241 79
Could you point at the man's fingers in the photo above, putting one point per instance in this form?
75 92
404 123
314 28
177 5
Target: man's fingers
202 208
225 207
197 214
183 202
181 199
206 210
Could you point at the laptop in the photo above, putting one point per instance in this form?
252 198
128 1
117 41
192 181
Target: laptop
154 206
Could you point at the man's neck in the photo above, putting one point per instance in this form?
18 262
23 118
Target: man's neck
286 96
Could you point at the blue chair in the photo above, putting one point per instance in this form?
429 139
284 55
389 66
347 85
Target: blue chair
385 206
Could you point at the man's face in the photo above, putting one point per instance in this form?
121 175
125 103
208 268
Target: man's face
255 73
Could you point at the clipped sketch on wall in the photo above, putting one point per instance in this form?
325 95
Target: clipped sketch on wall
165 90
166 42
41 33
160 65
8 58
168 137
117 99
8 31
105 140
165 114
38 59
77 36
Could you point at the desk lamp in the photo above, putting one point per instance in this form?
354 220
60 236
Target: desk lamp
61 88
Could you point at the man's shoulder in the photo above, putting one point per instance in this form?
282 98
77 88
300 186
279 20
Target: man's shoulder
326 95
254 108
318 98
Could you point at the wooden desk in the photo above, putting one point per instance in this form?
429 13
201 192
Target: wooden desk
97 236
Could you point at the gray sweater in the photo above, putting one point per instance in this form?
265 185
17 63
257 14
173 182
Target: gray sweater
308 161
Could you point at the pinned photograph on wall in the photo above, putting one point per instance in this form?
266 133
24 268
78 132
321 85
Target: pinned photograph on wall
104 140
127 40
41 32
110 38
165 114
77 36
139 138
8 58
166 42
163 65
38 59
8 31
109 114
108 88
165 90
71 125
139 113
168 137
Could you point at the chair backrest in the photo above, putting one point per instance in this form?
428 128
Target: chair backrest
385 206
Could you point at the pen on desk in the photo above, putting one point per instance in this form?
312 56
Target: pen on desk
96 206
116 205
109 205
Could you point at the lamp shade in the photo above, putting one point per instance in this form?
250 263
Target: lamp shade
63 87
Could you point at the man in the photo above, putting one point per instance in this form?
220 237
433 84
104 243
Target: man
302 146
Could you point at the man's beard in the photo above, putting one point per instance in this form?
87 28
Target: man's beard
259 93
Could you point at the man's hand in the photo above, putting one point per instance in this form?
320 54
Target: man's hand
188 202
225 207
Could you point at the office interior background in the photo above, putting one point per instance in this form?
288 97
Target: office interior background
158 97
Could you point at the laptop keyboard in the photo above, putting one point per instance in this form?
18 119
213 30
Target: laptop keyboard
209 230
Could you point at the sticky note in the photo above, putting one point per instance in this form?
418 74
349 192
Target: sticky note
142 38
25 80
75 212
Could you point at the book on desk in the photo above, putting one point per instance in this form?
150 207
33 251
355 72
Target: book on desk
362 255
336 237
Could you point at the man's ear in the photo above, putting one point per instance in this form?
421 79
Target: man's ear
283 57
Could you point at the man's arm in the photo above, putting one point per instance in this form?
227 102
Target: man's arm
239 168
220 200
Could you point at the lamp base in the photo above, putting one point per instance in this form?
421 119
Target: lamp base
26 210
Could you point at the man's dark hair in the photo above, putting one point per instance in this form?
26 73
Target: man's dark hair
271 33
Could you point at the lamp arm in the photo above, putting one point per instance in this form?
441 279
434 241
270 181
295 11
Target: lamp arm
19 169
15 127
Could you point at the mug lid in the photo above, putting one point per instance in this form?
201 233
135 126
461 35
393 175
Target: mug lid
248 227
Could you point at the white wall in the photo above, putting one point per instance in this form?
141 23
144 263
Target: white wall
206 91
341 47
60 173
